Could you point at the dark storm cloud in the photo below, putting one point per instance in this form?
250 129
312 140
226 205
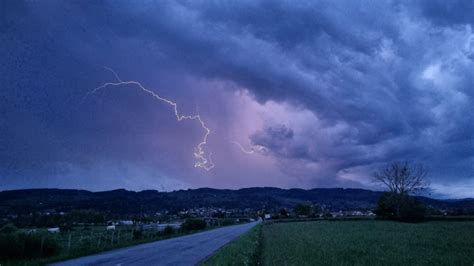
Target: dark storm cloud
385 80
277 139
448 12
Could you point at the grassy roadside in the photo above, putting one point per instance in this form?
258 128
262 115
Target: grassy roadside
246 250
87 244
93 251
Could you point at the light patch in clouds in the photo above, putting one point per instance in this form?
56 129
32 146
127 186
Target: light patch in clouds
432 73
386 50
462 189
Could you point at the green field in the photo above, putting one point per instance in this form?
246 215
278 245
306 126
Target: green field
86 240
352 243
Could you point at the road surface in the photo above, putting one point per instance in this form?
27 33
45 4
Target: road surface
183 250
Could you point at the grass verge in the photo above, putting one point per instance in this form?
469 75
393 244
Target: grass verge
245 250
95 240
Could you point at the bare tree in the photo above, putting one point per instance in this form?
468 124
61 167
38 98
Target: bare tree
402 178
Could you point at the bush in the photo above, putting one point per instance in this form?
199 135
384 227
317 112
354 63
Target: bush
193 224
284 213
168 231
400 207
275 216
228 221
327 214
137 234
302 209
27 246
412 210
219 214
65 227
8 229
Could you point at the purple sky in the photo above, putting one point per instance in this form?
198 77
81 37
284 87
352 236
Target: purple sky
328 91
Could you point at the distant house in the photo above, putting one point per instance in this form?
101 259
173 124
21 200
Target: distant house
370 213
110 227
125 222
267 217
54 230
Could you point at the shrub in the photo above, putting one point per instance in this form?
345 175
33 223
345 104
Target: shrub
412 210
137 234
275 216
65 227
400 207
302 209
8 229
219 214
27 246
284 213
193 224
228 221
168 230
327 214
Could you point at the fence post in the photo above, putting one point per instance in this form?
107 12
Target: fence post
69 244
42 245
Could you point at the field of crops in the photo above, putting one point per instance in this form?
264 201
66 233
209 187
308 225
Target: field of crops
79 241
85 240
357 243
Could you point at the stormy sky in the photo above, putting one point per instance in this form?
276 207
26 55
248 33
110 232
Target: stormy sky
316 94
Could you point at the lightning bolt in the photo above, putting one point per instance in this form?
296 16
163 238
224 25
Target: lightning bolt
202 161
253 149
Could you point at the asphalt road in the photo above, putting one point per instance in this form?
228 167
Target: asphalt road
183 250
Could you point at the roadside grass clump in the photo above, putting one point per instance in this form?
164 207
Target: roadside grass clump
19 246
245 250
193 224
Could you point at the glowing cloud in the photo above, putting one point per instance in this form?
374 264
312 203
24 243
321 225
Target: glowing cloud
253 149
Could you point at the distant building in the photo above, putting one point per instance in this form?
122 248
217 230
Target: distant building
54 230
125 222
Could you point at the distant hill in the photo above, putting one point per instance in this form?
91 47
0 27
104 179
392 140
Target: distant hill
122 201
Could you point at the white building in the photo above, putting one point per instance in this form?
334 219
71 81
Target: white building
54 230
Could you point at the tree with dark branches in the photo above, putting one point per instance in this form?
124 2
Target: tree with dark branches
403 178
